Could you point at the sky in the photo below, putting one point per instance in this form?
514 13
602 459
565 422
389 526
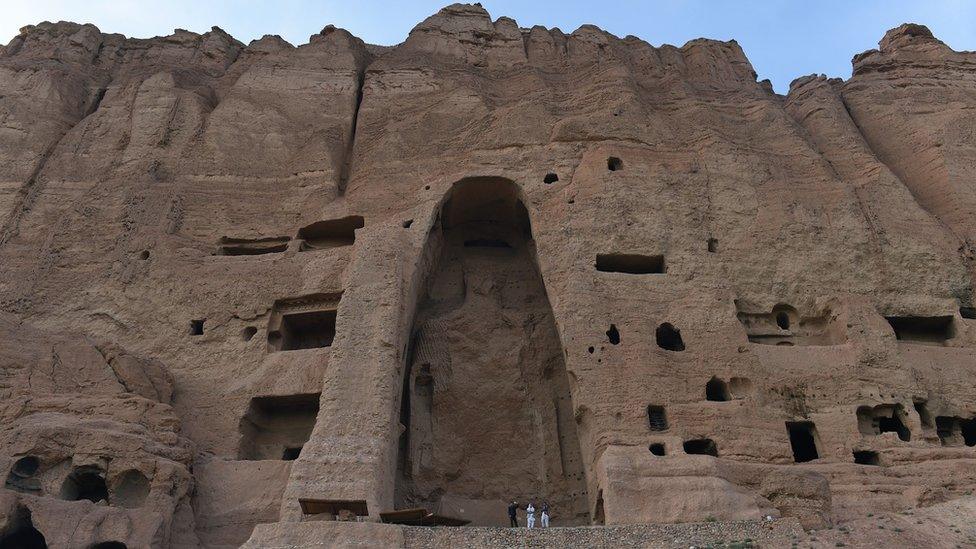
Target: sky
784 39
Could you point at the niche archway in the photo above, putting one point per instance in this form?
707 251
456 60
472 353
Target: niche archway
485 408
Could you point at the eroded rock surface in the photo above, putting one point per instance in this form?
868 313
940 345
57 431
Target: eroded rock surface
486 263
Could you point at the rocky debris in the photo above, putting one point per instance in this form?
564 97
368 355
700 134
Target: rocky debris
487 263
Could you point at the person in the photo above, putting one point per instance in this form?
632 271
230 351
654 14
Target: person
530 515
545 514
512 513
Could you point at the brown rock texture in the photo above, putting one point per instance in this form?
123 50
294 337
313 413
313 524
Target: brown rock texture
488 263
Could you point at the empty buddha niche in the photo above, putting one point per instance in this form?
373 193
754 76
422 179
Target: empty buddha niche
486 407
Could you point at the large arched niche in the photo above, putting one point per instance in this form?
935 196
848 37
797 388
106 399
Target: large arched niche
486 410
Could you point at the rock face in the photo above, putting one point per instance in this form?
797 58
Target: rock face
488 263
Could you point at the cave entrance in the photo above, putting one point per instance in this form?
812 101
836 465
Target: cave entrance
485 408
883 418
803 440
85 482
20 533
276 427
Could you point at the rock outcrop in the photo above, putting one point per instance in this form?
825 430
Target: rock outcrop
486 263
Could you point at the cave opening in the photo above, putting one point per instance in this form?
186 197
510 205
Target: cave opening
275 426
22 476
331 233
883 418
803 440
866 457
85 482
305 322
717 390
130 489
486 413
630 263
924 330
656 418
701 446
20 532
669 338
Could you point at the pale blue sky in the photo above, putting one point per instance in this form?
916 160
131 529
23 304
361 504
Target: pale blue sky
783 39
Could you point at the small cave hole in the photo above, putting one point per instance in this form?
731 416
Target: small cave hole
407 223
614 164
21 476
110 545
783 320
866 457
196 327
669 338
657 449
630 263
85 482
701 446
713 245
803 440
144 255
613 335
717 390
550 178
967 312
590 350
656 418
248 333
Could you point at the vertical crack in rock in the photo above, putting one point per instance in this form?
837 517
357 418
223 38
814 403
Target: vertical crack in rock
344 170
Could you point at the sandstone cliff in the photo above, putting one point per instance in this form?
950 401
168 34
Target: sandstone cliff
487 263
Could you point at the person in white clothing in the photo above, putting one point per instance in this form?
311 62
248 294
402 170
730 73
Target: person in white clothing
530 515
545 514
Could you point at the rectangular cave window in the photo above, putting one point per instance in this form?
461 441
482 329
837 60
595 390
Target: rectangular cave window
656 418
928 330
306 322
803 440
196 327
309 330
713 245
701 446
276 427
866 457
332 233
630 263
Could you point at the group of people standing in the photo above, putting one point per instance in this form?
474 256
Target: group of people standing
529 514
